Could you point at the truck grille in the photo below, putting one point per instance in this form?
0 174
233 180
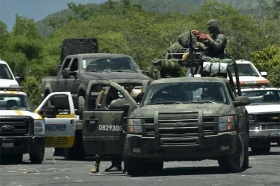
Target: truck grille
21 125
181 128
268 118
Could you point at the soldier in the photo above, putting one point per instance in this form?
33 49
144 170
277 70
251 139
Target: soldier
217 41
113 94
115 101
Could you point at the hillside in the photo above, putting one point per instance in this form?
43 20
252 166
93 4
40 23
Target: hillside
184 7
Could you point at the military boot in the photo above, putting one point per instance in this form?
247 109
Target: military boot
95 169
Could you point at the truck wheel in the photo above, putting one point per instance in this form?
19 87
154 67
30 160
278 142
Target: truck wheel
235 162
156 166
246 153
77 151
37 158
17 158
261 149
81 105
133 166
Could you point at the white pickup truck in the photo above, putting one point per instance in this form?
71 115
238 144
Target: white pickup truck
6 75
249 76
264 118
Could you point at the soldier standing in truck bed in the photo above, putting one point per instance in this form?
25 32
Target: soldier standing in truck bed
217 41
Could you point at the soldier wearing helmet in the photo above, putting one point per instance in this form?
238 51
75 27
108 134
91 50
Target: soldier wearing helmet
217 41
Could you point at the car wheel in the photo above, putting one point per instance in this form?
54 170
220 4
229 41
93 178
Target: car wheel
133 166
260 149
37 158
81 105
234 162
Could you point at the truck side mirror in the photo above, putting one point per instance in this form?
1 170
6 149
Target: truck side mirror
263 74
241 101
19 77
50 112
66 73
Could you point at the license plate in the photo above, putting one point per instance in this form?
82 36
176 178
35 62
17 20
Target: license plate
273 134
7 145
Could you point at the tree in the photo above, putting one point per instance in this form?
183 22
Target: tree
268 60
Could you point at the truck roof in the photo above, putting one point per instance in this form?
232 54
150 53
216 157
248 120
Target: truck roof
3 62
99 55
259 88
240 61
190 79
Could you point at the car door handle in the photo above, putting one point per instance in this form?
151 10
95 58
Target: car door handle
72 122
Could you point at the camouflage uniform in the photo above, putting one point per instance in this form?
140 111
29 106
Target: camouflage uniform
216 45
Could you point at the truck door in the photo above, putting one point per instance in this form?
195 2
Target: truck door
58 112
102 126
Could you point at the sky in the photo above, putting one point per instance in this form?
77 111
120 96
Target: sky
34 9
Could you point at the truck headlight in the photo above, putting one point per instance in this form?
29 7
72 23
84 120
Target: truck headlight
134 125
226 123
39 127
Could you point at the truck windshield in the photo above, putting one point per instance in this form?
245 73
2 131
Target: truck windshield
5 72
185 92
244 70
15 102
263 96
109 64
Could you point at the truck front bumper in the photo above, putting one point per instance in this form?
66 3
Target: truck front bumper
215 145
21 144
262 137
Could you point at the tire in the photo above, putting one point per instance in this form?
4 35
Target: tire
259 150
17 158
81 106
76 152
37 158
156 166
235 162
133 166
246 154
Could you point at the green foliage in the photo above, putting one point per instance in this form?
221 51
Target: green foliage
144 30
268 60
32 87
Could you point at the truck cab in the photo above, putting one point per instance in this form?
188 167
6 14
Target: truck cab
7 77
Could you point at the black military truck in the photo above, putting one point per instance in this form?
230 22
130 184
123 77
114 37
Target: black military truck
200 116
81 63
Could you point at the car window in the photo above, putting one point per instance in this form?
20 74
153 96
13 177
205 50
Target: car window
5 72
185 92
244 70
103 64
15 102
263 96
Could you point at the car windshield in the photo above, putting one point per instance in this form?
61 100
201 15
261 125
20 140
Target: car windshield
5 72
15 102
184 93
244 70
263 96
109 64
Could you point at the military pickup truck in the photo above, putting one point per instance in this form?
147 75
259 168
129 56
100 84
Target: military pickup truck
77 70
187 119
90 138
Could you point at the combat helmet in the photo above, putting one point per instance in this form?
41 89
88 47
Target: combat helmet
212 23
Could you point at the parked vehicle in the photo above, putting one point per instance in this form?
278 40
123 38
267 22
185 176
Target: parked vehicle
249 75
264 118
7 77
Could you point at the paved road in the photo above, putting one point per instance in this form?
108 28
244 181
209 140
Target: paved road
264 170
